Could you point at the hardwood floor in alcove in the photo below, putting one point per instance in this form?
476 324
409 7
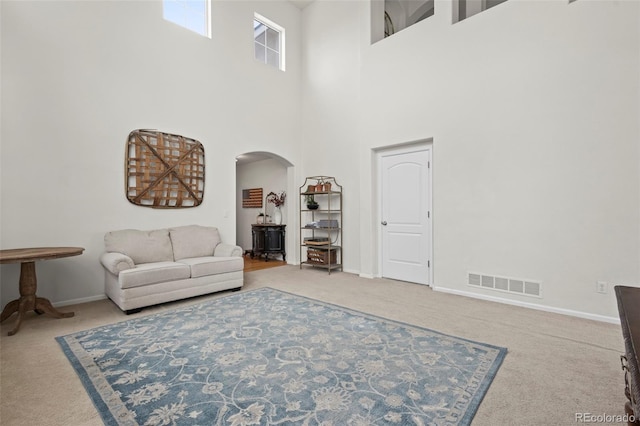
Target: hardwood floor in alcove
258 263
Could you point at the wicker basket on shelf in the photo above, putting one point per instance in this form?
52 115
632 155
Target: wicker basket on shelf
321 256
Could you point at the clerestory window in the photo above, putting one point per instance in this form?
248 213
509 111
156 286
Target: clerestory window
193 15
268 42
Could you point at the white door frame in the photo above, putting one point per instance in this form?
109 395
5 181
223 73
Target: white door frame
422 145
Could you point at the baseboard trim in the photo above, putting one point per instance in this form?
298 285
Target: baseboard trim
569 312
79 301
369 276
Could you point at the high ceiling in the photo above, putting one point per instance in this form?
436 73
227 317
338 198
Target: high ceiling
301 4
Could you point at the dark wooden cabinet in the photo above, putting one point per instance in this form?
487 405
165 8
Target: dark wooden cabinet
268 239
628 299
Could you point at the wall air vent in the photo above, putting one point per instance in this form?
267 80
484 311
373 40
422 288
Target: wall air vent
502 284
474 279
505 284
532 288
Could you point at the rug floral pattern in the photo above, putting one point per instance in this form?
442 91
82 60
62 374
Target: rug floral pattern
266 357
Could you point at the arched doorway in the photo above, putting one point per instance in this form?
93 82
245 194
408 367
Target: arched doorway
270 173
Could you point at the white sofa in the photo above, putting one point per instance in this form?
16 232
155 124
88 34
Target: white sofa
144 268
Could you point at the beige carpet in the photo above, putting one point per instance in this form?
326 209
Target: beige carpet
557 366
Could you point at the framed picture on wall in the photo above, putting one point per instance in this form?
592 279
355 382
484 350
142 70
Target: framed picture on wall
252 198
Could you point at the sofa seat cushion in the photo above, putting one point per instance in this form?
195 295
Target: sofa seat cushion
209 265
141 246
153 273
193 241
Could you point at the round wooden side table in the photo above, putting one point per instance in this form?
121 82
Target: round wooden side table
28 300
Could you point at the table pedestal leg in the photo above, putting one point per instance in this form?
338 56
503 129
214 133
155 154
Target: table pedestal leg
28 300
9 309
45 306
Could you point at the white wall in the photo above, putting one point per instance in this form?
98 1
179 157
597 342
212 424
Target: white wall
271 176
331 89
533 110
77 77
532 107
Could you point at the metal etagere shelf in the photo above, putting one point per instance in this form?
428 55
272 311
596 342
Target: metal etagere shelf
321 223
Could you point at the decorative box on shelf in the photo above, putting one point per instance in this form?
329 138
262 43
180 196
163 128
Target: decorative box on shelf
328 223
317 241
321 256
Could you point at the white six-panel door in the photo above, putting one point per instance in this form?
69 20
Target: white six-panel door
405 215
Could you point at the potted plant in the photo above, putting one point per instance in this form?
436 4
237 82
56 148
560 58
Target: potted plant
312 204
277 200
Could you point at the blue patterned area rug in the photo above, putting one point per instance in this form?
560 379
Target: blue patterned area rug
267 357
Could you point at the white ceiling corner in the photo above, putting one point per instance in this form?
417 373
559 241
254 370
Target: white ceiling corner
301 4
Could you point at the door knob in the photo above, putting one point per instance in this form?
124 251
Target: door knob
384 223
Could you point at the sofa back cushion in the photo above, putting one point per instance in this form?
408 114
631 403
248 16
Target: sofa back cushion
193 241
141 246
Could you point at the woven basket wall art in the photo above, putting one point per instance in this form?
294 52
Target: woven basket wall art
164 170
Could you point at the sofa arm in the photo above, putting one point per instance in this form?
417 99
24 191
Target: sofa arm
116 262
227 250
